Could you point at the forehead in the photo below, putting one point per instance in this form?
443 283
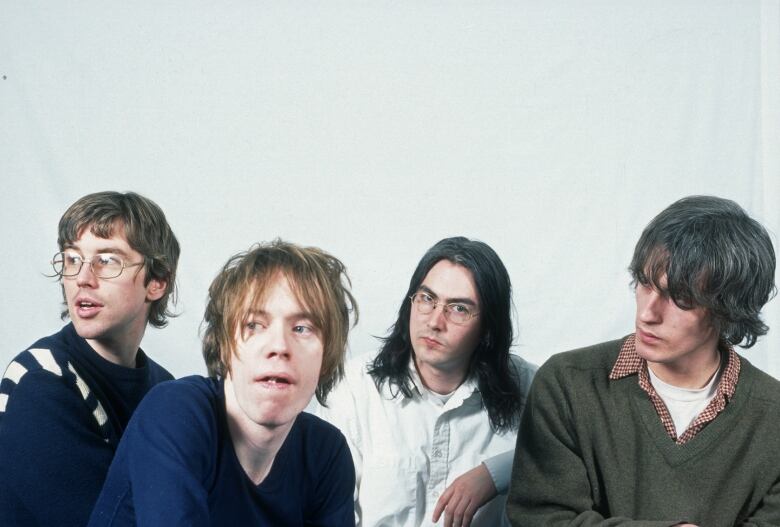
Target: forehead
450 280
88 239
276 288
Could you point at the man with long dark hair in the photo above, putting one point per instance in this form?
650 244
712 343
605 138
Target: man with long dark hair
431 419
669 425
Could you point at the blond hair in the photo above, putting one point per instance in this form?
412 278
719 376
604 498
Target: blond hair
318 281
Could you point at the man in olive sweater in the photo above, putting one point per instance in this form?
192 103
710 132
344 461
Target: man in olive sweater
669 425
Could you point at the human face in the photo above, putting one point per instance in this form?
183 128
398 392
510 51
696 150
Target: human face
276 367
442 349
677 339
110 313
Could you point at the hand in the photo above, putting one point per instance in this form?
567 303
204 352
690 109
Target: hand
686 525
464 496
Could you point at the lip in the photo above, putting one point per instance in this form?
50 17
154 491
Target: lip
431 342
86 311
647 337
275 380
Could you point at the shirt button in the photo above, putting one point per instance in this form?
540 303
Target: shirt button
436 452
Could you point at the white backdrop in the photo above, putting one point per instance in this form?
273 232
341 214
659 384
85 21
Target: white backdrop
552 132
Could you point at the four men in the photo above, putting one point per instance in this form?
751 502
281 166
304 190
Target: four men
66 400
431 420
669 425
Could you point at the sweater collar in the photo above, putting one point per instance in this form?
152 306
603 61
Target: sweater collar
630 363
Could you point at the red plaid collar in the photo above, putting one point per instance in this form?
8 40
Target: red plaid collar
630 363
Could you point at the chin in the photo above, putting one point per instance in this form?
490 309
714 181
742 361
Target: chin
649 354
275 421
87 330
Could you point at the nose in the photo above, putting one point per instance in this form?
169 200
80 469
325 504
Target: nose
278 345
436 319
86 277
649 304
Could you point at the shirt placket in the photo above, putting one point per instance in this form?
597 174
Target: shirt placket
439 457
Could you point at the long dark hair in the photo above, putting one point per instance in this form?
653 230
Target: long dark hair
498 382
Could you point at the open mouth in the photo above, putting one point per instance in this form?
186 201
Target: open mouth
274 382
87 308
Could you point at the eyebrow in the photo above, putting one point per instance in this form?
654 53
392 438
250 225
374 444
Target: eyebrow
297 315
109 250
428 290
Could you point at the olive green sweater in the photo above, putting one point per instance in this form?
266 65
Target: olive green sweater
592 451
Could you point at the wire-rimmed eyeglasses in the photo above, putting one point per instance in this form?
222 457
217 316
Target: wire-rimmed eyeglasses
104 265
455 312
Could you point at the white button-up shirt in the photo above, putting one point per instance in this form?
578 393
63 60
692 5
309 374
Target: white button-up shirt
408 450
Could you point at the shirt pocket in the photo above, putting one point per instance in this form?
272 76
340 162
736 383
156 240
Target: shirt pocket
392 489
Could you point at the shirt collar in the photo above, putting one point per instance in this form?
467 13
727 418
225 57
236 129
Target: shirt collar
630 363
466 389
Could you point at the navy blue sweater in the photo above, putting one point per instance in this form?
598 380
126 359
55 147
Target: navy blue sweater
63 409
176 466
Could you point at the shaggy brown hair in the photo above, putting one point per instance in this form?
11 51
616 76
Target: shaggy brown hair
146 229
319 283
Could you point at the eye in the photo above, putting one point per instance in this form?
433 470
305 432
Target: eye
72 259
303 329
461 309
107 260
253 326
425 298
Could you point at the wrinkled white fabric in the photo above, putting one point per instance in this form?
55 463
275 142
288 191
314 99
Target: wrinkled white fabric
408 450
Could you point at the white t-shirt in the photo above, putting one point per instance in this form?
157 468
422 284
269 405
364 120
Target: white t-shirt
684 404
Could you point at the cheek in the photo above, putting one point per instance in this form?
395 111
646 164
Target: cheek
469 339
414 324
67 286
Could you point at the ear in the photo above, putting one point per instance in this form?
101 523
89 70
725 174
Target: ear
155 289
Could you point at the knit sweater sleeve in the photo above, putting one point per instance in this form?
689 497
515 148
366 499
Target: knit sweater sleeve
53 458
550 485
768 512
165 462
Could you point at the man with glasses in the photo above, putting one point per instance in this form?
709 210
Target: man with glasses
431 420
66 400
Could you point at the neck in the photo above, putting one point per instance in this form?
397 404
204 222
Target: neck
255 445
691 374
439 380
123 355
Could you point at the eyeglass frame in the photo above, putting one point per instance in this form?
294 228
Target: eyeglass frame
445 307
92 269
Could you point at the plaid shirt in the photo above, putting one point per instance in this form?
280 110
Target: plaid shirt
630 363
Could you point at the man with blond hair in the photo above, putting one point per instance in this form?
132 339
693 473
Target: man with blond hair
66 400
235 448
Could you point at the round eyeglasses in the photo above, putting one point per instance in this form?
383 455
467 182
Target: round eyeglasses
455 312
103 265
